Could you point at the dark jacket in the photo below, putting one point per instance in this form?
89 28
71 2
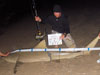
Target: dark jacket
60 25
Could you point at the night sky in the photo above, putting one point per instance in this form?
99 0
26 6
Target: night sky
12 10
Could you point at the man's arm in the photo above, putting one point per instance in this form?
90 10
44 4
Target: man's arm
66 27
66 24
2 54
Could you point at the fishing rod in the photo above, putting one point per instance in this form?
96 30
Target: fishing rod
38 35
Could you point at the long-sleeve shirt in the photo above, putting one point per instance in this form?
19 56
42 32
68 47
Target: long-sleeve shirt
60 24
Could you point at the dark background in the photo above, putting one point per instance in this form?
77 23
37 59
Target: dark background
18 29
13 10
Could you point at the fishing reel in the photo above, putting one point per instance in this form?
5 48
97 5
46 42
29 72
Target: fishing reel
39 35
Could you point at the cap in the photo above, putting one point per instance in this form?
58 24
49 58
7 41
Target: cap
57 8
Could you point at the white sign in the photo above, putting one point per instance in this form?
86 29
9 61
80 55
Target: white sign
54 39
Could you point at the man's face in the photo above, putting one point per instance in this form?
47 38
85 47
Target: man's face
57 14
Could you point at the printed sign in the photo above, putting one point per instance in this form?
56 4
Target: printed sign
54 39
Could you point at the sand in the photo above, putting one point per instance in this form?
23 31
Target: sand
84 26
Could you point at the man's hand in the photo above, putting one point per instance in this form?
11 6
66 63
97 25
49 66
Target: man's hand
2 54
38 19
62 36
7 54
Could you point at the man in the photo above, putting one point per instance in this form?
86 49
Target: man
59 24
2 54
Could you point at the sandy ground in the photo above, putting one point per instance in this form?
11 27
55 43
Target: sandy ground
84 28
82 65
